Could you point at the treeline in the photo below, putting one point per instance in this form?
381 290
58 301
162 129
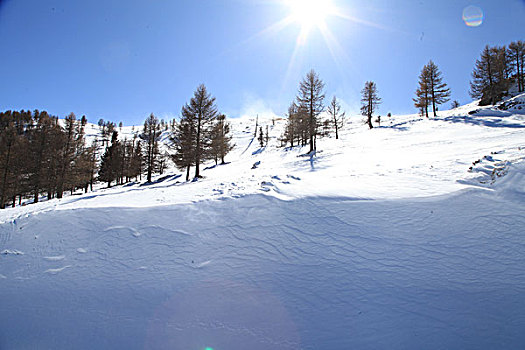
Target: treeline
495 72
304 124
39 155
42 155
201 134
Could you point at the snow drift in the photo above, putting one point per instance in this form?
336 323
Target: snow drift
408 236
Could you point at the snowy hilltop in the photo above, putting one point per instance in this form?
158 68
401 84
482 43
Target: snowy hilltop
406 236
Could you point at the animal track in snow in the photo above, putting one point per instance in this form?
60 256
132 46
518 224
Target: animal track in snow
12 252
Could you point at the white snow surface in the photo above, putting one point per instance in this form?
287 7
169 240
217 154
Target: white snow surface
407 236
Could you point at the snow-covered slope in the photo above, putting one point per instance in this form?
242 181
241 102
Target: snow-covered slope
407 236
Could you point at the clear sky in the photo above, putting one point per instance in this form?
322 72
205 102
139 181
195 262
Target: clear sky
122 60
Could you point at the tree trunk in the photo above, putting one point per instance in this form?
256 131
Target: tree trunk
312 146
198 148
433 93
6 170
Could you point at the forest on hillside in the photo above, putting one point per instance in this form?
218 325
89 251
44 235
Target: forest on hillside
44 156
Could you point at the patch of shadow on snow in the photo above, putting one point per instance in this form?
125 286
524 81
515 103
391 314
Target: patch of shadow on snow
494 122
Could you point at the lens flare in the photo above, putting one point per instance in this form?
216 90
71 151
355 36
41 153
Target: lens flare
473 16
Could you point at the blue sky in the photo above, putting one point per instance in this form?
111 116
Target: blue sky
122 60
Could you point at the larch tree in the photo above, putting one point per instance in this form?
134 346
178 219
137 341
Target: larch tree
336 116
202 110
260 138
431 89
489 77
439 92
516 51
221 139
291 131
183 141
40 150
73 137
370 101
110 161
151 133
310 99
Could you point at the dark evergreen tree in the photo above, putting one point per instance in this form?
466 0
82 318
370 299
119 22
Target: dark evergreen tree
260 138
183 141
109 164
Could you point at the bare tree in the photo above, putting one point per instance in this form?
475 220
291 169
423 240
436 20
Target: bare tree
370 101
517 55
310 98
338 118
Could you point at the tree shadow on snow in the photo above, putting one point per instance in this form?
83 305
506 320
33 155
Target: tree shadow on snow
493 122
162 179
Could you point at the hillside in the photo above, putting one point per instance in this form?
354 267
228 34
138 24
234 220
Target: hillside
407 236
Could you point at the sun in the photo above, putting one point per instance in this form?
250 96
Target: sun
310 13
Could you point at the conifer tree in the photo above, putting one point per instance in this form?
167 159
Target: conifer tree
260 138
68 152
431 90
310 100
137 160
40 150
150 135
221 139
337 118
517 56
291 131
370 101
202 111
183 141
109 163
490 75
439 92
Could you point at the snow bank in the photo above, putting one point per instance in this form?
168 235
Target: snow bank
261 273
408 236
